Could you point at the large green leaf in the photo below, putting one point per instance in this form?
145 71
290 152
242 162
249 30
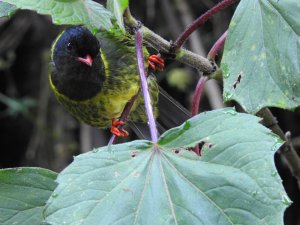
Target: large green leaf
6 9
23 195
261 62
74 12
234 182
117 7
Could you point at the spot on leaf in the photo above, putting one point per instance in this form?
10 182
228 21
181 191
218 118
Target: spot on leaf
133 154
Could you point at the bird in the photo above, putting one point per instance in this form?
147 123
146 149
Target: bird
95 76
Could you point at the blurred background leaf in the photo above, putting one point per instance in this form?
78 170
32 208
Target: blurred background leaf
16 106
179 78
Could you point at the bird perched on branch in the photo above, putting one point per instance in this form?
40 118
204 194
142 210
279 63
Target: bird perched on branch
94 77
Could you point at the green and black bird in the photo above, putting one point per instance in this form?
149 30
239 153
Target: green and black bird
94 77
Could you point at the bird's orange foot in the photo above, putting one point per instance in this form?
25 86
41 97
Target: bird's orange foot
119 132
156 63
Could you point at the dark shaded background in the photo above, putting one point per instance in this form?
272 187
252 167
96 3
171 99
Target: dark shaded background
36 131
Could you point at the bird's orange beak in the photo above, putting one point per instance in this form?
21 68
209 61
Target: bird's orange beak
87 60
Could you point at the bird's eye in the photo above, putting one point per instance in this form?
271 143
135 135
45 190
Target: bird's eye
69 46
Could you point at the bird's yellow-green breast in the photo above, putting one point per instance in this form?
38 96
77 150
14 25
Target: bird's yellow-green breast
98 93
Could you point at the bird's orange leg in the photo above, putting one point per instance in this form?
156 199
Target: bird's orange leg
156 62
116 128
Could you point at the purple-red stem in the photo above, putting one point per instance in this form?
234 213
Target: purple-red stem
144 84
197 95
201 20
124 116
217 46
196 102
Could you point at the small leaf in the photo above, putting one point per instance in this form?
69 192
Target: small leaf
145 183
17 106
73 12
261 61
23 194
117 7
6 9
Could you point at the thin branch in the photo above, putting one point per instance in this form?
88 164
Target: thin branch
217 46
211 89
144 84
165 47
196 102
197 95
201 20
270 122
195 40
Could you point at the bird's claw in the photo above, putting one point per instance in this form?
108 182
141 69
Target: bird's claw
156 63
119 132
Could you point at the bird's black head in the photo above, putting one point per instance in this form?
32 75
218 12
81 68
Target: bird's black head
78 69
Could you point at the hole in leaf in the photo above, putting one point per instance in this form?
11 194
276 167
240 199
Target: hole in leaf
203 144
238 80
